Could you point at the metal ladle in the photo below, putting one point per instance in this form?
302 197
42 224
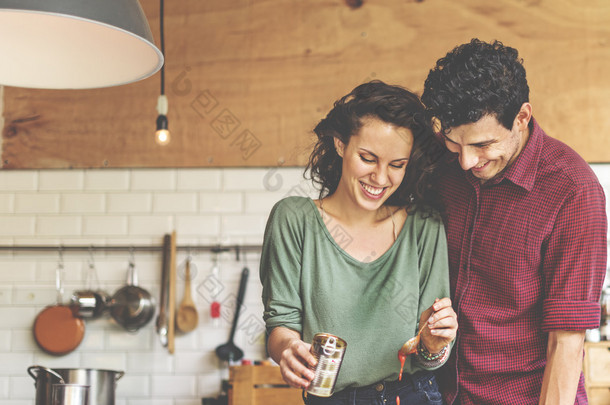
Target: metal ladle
229 351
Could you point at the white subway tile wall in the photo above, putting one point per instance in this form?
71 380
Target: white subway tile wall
133 207
5 297
34 203
4 391
78 203
137 207
6 203
61 180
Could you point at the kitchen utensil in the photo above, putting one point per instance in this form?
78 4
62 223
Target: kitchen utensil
410 345
102 383
229 351
215 313
215 305
56 330
131 306
90 303
171 322
70 394
187 317
161 322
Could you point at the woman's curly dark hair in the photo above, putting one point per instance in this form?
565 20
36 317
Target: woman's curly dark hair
394 105
473 80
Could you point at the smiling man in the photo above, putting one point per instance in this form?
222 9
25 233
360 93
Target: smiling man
526 228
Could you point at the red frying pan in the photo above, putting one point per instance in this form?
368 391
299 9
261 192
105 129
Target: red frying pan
56 329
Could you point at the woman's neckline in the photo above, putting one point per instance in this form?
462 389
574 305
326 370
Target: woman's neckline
329 236
386 207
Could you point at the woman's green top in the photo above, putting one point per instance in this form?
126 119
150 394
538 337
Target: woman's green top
311 285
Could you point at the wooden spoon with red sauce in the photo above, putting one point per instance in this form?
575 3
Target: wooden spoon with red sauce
408 348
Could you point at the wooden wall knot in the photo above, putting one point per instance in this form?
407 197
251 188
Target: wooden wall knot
354 4
12 130
25 119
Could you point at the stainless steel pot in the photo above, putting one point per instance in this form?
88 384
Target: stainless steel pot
102 383
70 394
89 304
131 306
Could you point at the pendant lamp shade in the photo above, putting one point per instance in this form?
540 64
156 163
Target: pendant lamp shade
75 44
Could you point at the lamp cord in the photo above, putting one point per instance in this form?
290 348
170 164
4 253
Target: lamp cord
162 33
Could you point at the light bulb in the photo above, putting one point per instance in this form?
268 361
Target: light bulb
162 136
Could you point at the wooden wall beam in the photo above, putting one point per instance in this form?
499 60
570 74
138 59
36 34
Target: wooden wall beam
247 81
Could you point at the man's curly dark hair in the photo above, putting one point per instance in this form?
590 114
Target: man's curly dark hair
473 80
394 105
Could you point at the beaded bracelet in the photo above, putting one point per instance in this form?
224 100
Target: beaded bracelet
422 351
432 364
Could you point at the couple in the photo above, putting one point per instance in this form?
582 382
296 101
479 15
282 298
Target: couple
466 198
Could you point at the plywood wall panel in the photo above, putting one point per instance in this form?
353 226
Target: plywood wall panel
248 80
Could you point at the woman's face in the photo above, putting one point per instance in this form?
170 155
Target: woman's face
374 162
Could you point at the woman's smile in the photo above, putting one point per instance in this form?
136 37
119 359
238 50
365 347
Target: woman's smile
373 192
374 163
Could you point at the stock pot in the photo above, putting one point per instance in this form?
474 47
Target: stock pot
102 383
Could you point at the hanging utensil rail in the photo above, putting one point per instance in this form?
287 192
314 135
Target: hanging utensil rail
134 248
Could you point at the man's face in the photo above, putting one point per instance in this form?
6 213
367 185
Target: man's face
486 148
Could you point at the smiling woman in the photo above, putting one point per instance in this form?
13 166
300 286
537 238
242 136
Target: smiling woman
374 162
367 262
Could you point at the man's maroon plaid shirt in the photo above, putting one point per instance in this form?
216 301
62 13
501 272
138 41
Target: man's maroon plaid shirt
527 254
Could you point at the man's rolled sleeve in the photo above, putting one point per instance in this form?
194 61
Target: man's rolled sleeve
570 315
575 262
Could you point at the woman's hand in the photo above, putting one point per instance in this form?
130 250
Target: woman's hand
441 325
292 354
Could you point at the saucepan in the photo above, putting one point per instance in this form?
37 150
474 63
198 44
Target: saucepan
131 306
89 304
92 302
